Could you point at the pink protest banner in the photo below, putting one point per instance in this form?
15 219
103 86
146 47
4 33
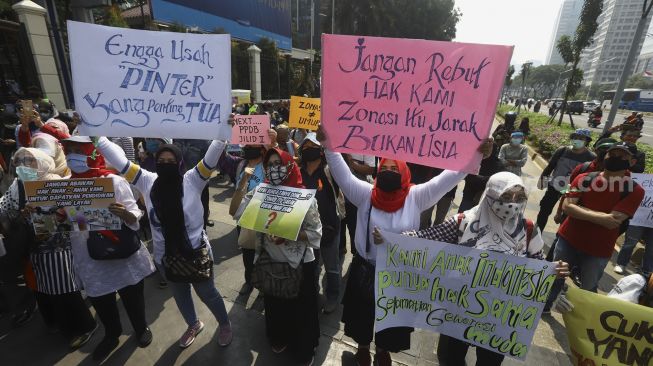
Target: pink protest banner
421 101
251 130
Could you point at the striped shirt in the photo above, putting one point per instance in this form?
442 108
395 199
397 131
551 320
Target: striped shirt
127 145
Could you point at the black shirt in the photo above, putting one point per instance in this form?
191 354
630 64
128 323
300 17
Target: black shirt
326 201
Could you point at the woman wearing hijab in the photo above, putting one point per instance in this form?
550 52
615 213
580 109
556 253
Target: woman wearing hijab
391 203
103 278
496 224
172 199
290 323
57 294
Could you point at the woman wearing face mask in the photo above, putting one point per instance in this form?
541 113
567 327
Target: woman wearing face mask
247 172
103 278
57 294
496 224
172 199
391 203
291 323
514 155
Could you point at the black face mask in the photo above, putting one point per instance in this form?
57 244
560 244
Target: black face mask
251 153
311 154
615 164
388 181
167 170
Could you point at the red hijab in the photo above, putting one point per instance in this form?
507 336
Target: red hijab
392 201
294 178
94 160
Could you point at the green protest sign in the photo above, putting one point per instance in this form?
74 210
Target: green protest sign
488 299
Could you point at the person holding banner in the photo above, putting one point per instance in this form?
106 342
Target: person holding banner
290 322
103 278
58 296
171 199
497 224
390 203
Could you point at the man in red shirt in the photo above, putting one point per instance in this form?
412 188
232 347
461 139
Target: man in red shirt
596 206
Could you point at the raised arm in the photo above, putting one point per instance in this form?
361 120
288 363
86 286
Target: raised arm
356 190
133 173
200 175
429 193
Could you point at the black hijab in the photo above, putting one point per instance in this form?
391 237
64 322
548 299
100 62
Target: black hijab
167 199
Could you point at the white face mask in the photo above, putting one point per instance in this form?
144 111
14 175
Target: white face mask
507 210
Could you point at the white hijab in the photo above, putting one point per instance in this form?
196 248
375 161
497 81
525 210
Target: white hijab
484 229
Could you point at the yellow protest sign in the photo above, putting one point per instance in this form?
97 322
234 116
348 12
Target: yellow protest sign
607 331
304 113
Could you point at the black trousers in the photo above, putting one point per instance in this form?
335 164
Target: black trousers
295 322
133 300
349 221
205 203
452 352
548 202
68 312
248 262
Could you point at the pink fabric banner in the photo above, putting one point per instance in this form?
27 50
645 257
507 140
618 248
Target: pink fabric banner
421 101
251 130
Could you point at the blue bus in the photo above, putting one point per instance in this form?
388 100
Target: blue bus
632 99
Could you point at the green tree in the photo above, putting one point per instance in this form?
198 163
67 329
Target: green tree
571 49
544 80
113 17
639 82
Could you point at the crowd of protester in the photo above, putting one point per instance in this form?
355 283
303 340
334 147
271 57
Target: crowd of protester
160 183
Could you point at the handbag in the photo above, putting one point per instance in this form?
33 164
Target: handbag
198 268
112 244
278 279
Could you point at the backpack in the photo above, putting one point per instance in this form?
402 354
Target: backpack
627 190
530 226
584 167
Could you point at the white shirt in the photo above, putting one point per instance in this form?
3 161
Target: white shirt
420 197
365 160
103 277
193 184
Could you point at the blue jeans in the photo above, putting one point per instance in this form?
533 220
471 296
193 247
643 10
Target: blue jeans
633 235
591 268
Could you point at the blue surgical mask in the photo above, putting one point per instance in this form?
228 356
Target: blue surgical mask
515 141
577 144
77 163
152 146
26 174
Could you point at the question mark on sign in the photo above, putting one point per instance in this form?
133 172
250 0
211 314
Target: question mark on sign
271 217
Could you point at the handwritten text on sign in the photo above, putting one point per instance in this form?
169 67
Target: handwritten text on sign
608 331
485 298
421 101
304 113
644 214
277 210
150 84
251 130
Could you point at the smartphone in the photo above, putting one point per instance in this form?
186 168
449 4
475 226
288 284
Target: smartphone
27 106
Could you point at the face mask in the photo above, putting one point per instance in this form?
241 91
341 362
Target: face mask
77 163
26 174
250 153
152 146
615 164
516 141
311 154
507 210
577 144
388 181
277 174
167 170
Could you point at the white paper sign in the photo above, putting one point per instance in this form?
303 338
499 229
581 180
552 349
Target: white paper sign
150 84
644 214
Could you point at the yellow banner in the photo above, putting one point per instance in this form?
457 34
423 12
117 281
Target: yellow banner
607 331
304 113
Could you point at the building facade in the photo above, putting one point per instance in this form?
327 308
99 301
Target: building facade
605 59
566 23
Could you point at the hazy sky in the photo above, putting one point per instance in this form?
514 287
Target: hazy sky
525 24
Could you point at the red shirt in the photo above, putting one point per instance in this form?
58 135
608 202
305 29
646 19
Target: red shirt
591 238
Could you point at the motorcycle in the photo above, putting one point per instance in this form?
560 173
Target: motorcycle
593 120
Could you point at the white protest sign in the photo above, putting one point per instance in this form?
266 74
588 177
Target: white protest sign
488 299
150 84
644 214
